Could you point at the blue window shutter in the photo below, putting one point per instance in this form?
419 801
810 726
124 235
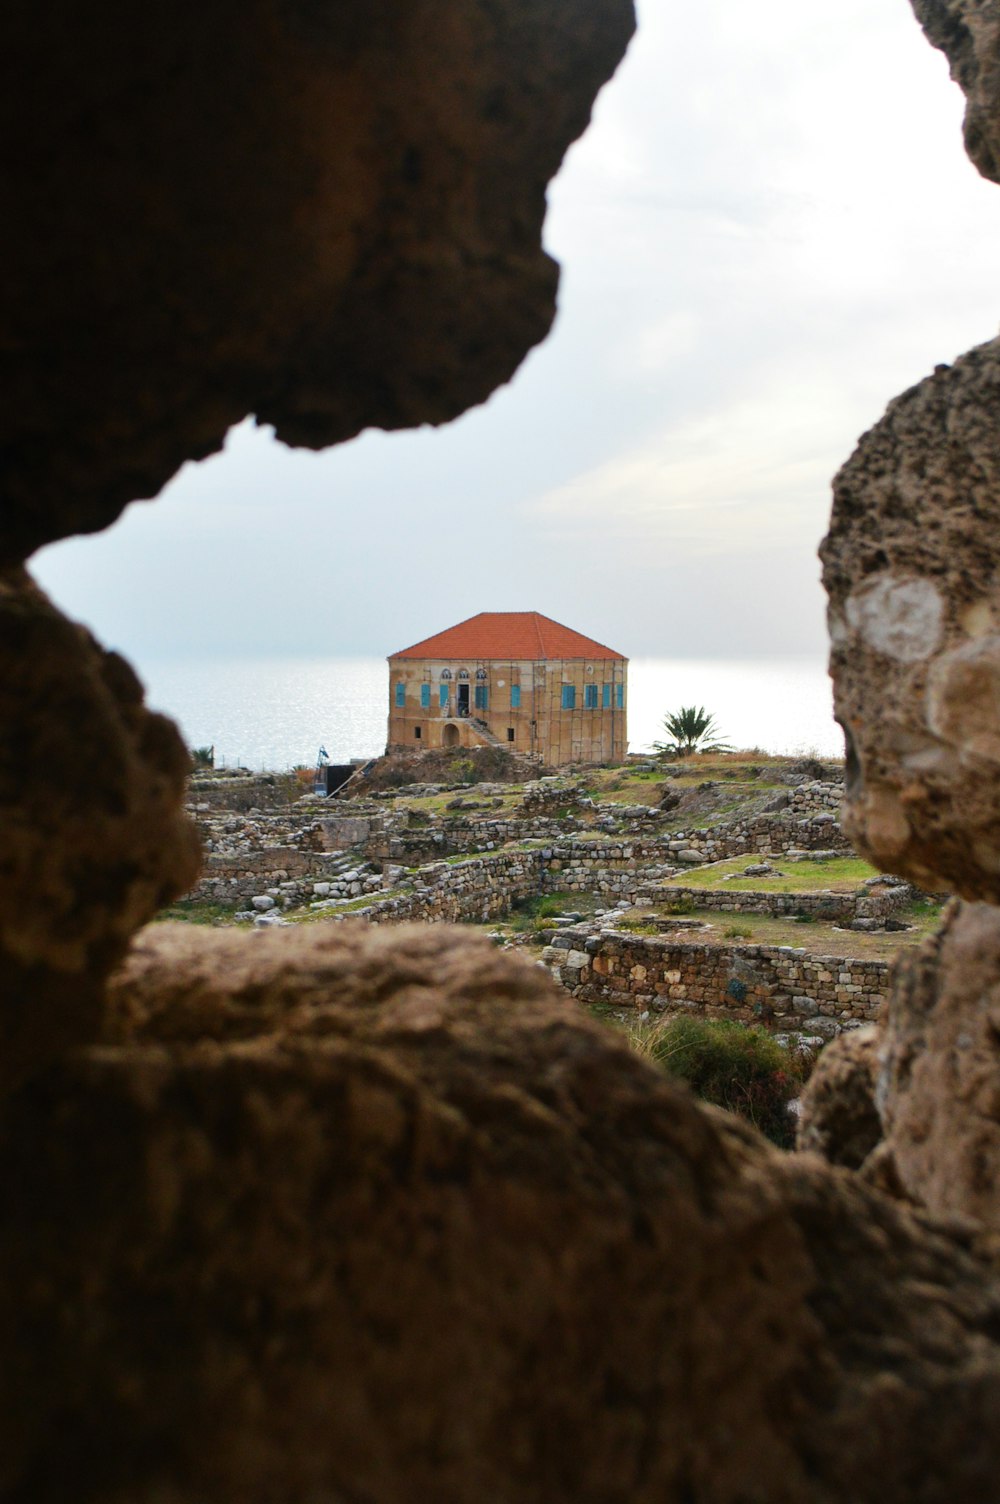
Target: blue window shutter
515 697
605 696
425 697
590 696
620 696
443 695
400 696
569 697
482 697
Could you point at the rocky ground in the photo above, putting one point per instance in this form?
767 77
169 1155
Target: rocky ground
641 849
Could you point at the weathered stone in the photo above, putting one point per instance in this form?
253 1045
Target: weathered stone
939 1082
94 839
969 33
910 564
328 216
305 1218
838 1116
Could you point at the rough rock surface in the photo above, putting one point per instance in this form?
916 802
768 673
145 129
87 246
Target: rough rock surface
939 1079
328 215
838 1117
407 1228
94 837
968 32
911 568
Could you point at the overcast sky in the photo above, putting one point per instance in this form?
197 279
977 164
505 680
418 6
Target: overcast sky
770 229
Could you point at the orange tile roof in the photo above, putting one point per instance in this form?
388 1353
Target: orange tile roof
508 635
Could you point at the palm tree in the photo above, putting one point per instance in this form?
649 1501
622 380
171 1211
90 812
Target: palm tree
691 729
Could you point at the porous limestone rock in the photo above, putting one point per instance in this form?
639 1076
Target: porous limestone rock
913 574
93 837
939 1078
838 1117
327 215
376 1215
968 32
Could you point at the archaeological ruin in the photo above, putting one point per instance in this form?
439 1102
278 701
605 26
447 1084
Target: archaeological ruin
372 1213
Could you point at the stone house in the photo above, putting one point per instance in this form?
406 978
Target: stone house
513 679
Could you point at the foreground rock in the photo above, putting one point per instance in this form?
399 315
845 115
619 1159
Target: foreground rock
93 837
969 34
939 1077
316 1228
838 1117
328 216
910 566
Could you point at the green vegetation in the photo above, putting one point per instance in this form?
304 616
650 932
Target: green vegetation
840 875
731 1065
202 757
691 729
529 914
195 911
820 938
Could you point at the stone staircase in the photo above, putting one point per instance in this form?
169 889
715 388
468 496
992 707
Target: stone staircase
482 730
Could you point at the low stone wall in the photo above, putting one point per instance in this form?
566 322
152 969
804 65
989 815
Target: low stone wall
613 869
841 908
479 889
239 793
285 873
776 985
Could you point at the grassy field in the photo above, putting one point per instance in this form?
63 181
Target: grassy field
842 875
819 937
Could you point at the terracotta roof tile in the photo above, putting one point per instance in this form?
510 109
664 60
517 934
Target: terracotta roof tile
508 635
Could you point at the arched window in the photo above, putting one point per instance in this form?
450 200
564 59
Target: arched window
446 673
463 673
481 673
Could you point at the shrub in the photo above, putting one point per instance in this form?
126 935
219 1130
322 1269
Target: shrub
738 932
732 1065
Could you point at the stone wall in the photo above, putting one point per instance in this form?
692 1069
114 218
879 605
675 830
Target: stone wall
866 903
478 889
755 983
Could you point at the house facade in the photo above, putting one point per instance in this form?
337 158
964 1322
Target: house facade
514 679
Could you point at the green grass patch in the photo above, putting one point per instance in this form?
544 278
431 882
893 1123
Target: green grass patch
740 1068
194 911
528 914
819 938
841 875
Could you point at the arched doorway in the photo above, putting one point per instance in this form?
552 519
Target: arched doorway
450 737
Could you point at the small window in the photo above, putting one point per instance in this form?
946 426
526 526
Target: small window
605 696
425 697
620 696
463 673
446 673
590 697
515 697
481 673
482 697
510 733
400 696
416 733
443 695
569 697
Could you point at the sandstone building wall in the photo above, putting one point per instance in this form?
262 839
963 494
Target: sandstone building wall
521 704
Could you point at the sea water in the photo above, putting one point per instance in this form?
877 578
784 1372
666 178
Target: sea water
276 713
